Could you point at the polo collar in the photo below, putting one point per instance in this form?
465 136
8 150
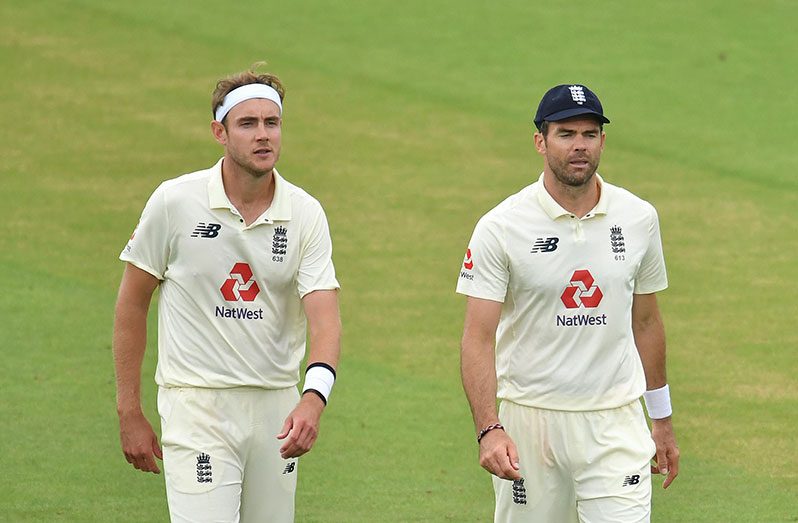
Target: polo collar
554 210
279 210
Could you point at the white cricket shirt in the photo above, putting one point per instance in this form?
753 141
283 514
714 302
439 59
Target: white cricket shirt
229 310
564 340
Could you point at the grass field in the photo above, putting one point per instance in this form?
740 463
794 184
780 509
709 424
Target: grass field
408 120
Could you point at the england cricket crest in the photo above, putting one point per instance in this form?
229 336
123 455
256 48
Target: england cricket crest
280 241
617 242
519 492
577 94
204 470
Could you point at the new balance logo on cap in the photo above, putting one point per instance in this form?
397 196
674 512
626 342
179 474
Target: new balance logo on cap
206 230
545 245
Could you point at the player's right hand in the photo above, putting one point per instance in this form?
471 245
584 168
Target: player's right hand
139 442
498 455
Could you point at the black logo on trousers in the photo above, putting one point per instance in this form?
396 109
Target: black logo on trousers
519 492
289 468
204 471
545 244
206 230
631 480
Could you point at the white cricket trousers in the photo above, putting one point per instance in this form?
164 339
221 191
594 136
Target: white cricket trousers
588 467
221 456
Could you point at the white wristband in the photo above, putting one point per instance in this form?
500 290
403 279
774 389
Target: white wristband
319 379
658 402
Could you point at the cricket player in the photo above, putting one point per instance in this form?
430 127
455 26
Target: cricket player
242 260
562 325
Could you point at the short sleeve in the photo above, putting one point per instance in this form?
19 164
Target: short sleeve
316 270
148 247
485 271
651 276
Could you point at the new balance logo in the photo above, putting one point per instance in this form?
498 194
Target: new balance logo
204 471
545 245
631 480
519 492
290 467
206 230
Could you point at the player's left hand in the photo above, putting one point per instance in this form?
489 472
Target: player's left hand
301 427
667 457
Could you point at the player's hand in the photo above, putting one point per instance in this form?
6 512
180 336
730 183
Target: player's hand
301 427
139 442
667 458
498 455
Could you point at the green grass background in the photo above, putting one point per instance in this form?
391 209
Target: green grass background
408 120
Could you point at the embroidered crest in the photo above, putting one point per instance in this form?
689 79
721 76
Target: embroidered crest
280 240
204 471
519 492
577 94
617 242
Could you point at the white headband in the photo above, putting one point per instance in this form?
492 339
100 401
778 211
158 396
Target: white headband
247 92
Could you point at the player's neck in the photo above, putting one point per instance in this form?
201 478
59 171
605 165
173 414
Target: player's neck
578 200
250 194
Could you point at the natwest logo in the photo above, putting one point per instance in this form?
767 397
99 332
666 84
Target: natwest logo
468 263
581 291
241 285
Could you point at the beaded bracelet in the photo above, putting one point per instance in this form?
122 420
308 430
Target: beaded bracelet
488 429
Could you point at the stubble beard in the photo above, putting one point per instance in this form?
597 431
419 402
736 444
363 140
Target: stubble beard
562 173
249 167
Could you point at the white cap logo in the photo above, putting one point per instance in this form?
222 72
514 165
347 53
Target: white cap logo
577 94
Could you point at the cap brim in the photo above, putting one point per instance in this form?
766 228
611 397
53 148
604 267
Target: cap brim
576 111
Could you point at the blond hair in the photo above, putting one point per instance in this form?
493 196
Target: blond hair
250 76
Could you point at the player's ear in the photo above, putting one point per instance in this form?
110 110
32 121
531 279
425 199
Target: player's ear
540 142
219 132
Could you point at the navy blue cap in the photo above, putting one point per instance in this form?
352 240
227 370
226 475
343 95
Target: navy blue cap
566 101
